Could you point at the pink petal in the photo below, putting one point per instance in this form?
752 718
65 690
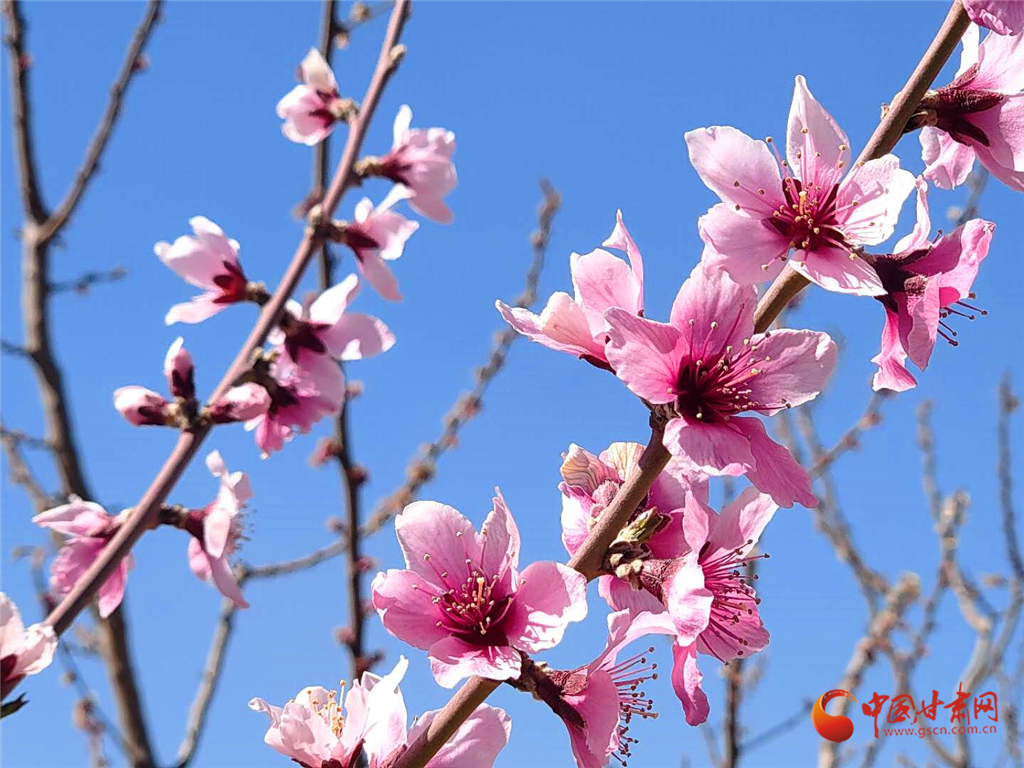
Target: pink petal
436 539
76 518
645 354
598 705
1004 17
974 238
603 281
403 600
712 311
357 336
921 235
686 680
550 595
330 305
375 715
740 524
198 560
111 592
892 372
621 595
834 270
686 599
620 239
224 579
748 249
793 366
776 472
879 188
498 540
815 144
561 326
317 73
301 108
575 522
948 162
199 308
716 449
919 319
379 275
475 744
452 660
723 156
624 627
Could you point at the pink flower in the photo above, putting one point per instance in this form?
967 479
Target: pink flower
209 261
590 483
301 396
217 529
1004 17
310 110
143 407
710 368
23 651
601 281
311 730
179 371
926 282
980 114
462 597
377 236
420 164
597 702
90 528
809 207
323 327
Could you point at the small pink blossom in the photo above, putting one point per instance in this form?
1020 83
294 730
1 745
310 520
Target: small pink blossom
807 204
926 282
208 261
310 110
324 327
597 702
1004 17
143 407
179 370
710 369
300 397
576 324
23 651
979 115
420 164
217 529
311 730
89 528
463 599
377 236
591 482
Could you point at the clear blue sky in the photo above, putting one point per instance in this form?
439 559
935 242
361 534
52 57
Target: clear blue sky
595 96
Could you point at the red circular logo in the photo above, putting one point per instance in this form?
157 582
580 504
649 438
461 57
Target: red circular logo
835 728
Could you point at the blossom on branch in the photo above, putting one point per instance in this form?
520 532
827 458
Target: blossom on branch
312 731
420 164
143 407
807 204
927 282
217 530
23 651
377 236
310 110
88 527
576 324
709 369
463 599
180 371
979 115
209 260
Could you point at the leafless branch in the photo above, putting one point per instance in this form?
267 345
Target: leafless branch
423 466
82 284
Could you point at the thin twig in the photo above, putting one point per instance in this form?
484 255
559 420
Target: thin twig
423 466
83 283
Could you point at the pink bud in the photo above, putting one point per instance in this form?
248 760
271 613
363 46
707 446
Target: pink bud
240 404
141 406
179 371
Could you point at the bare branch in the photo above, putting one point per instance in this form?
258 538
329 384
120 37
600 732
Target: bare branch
132 64
422 468
82 284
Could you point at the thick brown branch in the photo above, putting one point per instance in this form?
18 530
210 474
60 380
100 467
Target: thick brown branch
85 173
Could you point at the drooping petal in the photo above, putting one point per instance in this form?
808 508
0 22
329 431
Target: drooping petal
550 596
224 579
948 162
76 518
686 682
834 270
749 250
716 449
686 598
921 235
452 660
776 472
891 360
379 275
